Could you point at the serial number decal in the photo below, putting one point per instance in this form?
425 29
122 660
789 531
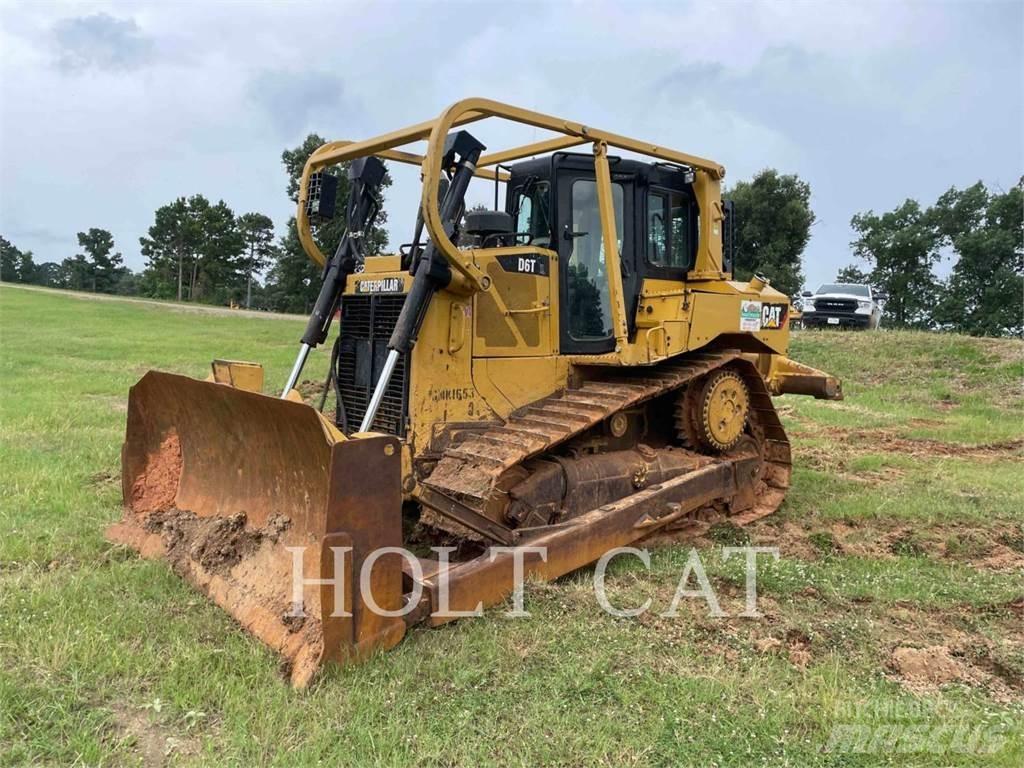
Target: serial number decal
381 285
526 265
773 316
455 393
750 315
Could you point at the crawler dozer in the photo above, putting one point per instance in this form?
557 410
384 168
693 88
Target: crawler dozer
573 372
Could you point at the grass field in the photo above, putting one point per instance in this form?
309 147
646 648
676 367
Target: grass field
898 603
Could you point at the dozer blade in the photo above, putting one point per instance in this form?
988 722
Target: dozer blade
242 493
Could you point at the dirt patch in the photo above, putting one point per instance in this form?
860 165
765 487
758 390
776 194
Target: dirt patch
310 391
828 459
151 741
798 646
1002 350
847 443
117 403
925 670
767 645
981 548
926 667
976 547
1002 558
978 646
791 539
927 447
216 543
157 486
1016 607
105 479
1014 539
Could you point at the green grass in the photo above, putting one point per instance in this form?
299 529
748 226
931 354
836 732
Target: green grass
106 659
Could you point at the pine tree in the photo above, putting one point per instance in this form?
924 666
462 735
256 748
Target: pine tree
171 248
217 274
10 261
258 237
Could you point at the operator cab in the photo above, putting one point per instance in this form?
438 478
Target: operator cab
553 203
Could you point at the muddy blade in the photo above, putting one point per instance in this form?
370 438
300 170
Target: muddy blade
225 484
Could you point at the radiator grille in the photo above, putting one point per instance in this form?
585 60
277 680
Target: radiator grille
366 325
836 306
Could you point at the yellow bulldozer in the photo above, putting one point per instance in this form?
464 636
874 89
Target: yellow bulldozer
569 374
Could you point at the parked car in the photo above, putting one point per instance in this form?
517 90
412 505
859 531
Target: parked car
843 305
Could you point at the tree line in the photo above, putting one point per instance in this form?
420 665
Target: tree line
201 251
980 229
195 251
98 269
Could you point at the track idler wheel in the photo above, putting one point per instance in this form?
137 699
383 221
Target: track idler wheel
712 413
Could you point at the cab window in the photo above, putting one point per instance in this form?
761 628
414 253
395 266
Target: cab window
669 229
590 314
532 213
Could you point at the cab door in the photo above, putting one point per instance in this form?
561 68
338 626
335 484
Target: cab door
586 312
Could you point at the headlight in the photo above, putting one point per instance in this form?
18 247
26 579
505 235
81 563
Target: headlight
808 305
863 305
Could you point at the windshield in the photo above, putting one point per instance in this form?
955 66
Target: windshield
851 288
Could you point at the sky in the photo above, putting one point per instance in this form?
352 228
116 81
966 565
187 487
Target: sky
110 110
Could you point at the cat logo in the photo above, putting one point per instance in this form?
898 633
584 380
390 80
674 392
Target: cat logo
773 316
383 285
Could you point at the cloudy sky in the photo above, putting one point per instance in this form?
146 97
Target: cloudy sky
109 110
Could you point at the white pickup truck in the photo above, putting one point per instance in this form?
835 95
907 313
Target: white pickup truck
843 305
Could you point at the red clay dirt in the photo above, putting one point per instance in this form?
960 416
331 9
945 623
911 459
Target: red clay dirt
216 543
156 488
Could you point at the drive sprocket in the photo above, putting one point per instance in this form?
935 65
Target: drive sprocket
713 412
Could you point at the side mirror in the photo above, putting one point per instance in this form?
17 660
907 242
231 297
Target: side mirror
807 294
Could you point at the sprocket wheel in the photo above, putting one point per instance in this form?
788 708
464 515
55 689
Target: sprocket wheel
715 411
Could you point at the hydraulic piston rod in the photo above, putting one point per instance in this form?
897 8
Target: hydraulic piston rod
300 362
431 270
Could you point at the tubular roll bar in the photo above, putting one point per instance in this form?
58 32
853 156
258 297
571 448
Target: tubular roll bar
474 109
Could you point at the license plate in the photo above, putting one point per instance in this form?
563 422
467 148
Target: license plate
832 320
